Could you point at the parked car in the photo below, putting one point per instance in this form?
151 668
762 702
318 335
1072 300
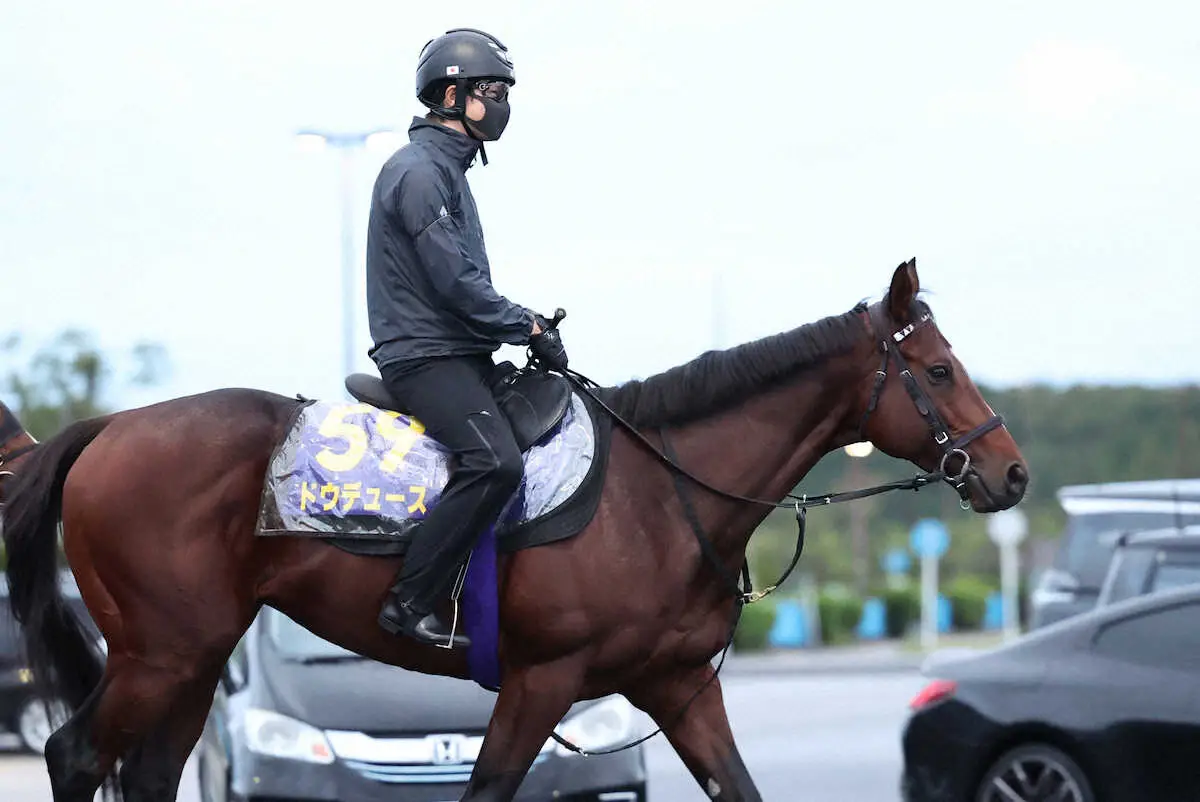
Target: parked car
298 717
1150 562
21 712
1096 516
1102 706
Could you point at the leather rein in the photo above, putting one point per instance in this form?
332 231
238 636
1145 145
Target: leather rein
939 431
745 594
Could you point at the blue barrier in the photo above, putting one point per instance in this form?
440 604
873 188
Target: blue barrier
790 628
945 614
873 624
993 615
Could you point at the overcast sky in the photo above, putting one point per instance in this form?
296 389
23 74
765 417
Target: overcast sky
1039 159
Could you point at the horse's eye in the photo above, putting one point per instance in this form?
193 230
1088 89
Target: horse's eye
939 373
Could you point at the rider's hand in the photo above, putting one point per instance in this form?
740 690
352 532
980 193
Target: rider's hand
547 347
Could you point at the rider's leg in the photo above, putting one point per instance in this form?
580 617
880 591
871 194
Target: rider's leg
451 397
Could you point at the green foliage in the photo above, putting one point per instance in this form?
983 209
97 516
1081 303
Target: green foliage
968 595
840 612
1068 436
903 607
69 378
754 626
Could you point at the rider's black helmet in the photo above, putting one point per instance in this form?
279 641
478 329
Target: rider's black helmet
460 56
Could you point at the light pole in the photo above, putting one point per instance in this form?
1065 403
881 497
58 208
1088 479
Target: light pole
858 524
347 142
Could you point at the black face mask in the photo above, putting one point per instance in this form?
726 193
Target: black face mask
495 119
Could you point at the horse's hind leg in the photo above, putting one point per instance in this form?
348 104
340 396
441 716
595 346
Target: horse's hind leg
75 767
152 771
702 737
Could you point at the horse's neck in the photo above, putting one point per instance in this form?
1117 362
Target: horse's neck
765 446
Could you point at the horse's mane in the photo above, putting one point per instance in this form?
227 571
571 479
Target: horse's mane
716 380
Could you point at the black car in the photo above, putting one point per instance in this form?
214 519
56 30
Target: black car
1101 706
1149 562
297 717
20 711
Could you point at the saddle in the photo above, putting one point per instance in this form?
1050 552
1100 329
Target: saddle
533 401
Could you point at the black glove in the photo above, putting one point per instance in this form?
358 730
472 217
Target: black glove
547 346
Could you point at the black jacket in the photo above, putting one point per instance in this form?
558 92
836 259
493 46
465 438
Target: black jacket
429 285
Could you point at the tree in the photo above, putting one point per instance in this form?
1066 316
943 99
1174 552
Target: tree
69 379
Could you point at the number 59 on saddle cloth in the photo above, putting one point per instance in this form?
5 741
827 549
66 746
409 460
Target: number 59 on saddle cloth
358 471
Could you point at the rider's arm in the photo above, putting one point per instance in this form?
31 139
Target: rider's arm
422 201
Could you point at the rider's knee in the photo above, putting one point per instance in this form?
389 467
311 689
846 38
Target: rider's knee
505 467
509 470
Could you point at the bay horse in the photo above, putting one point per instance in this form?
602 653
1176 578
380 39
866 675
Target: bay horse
158 507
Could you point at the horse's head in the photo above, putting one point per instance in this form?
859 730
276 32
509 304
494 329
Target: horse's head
921 405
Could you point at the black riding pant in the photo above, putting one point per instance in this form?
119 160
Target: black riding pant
451 397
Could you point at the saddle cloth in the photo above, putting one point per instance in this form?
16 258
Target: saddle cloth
355 470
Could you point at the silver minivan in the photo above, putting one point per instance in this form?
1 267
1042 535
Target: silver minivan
1096 516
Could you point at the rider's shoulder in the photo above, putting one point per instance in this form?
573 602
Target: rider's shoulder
414 163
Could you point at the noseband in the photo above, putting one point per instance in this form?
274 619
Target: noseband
925 408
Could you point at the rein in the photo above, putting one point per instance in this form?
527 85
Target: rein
745 594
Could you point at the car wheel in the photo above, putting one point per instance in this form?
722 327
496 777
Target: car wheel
1032 773
33 728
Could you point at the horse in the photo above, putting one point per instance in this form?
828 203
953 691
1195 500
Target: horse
157 507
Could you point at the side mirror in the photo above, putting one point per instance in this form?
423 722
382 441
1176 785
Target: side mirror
233 676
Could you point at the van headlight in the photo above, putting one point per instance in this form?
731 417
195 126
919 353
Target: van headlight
273 735
605 724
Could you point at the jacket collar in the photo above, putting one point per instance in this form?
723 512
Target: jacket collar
459 148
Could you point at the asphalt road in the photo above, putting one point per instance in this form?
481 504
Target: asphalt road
812 738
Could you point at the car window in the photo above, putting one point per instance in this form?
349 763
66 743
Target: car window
1174 575
1167 638
1130 570
10 636
1089 539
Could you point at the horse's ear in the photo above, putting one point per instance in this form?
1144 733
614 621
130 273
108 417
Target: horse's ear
904 289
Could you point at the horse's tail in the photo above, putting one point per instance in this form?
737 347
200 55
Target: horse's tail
66 663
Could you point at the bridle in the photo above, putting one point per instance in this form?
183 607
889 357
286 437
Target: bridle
890 347
10 428
744 594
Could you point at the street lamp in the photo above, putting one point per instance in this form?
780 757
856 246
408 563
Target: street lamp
311 141
858 522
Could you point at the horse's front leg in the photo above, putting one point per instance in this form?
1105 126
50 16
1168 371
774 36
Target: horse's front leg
702 736
531 702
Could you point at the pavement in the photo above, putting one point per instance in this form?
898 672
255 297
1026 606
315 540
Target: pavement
874 658
806 737
813 725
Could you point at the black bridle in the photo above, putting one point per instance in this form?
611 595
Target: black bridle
890 347
744 594
10 428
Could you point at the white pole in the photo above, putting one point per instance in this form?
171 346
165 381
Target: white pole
348 283
1009 557
929 582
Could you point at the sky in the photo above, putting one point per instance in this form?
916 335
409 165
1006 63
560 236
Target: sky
676 176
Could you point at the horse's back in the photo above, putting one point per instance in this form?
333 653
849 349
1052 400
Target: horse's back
178 447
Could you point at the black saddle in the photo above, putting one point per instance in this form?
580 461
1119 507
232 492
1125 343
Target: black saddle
533 401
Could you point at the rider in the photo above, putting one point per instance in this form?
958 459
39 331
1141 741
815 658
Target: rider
436 319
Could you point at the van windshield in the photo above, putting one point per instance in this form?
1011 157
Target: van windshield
296 642
1089 539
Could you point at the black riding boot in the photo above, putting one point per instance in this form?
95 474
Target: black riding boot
402 617
452 398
